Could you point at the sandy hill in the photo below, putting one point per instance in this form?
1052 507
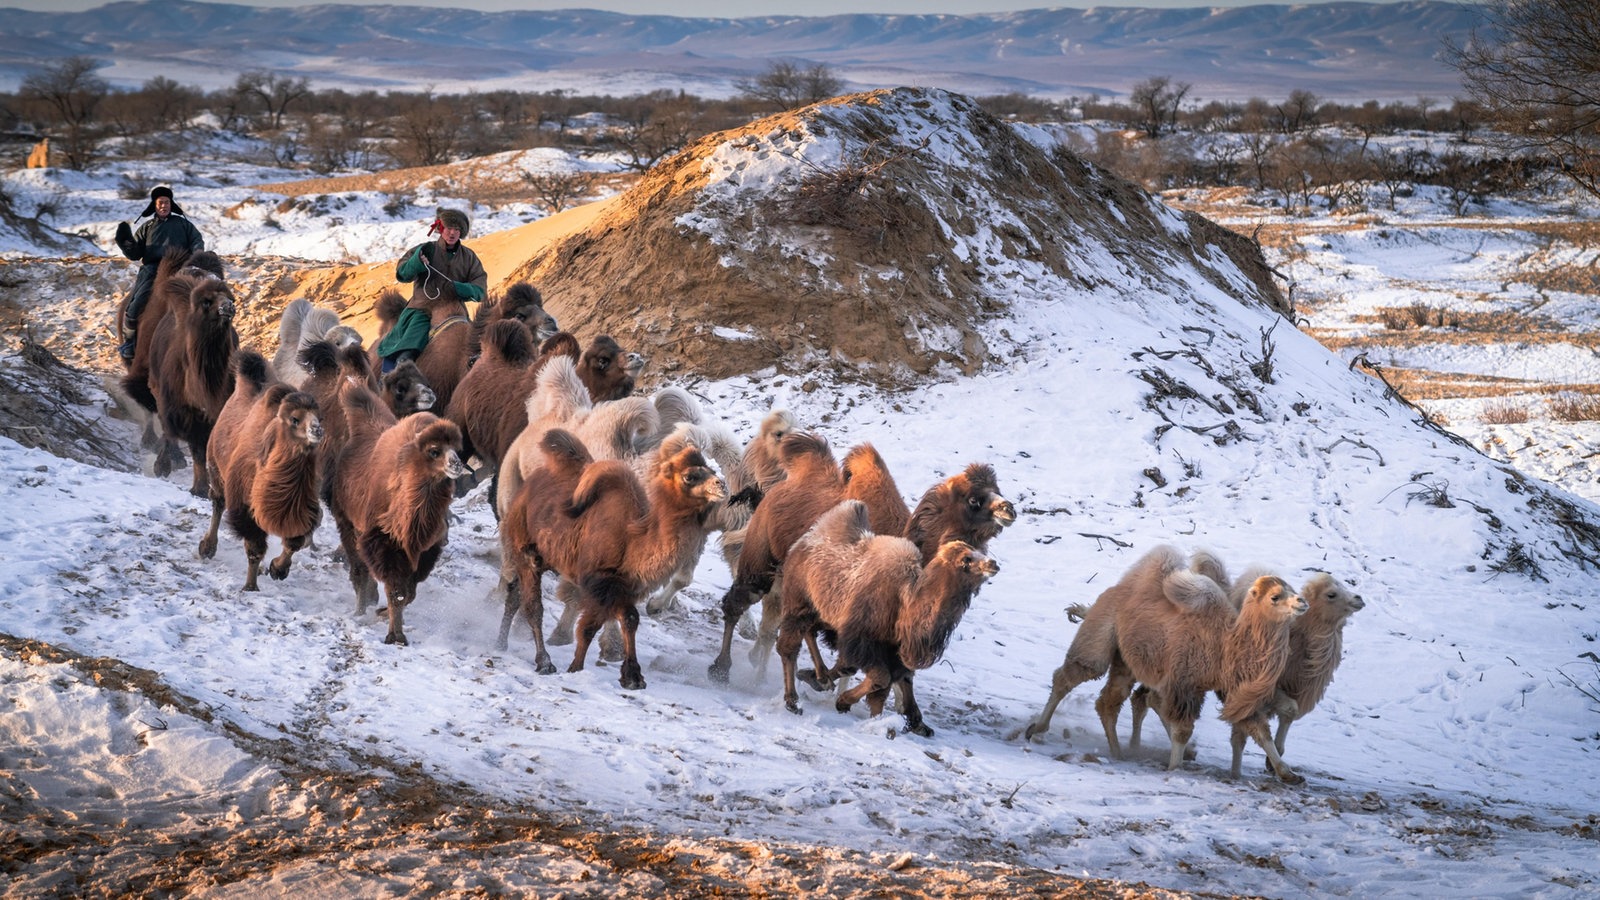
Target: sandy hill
868 234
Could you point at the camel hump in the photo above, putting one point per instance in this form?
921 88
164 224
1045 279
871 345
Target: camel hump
563 449
1191 591
799 446
509 341
558 391
523 293
318 357
251 369
291 320
389 305
676 405
846 523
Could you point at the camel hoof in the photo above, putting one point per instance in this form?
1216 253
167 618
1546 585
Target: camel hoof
1288 776
612 654
208 548
1034 728
396 639
792 706
920 730
718 671
841 706
545 668
632 679
277 573
251 587
809 676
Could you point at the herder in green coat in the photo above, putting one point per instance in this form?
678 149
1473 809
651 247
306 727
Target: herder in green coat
431 268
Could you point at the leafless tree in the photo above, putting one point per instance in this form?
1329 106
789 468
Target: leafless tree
558 190
68 95
1156 101
786 84
274 92
658 125
426 128
1535 69
1297 113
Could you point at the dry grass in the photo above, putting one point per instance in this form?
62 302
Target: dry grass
1571 406
1504 412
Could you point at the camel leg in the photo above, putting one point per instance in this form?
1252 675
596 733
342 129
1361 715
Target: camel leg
821 677
666 599
208 542
588 626
910 709
1284 721
255 550
1119 684
507 589
398 596
279 569
1138 705
872 681
201 487
1256 728
613 643
531 603
767 630
1069 675
790 633
632 673
739 598
567 593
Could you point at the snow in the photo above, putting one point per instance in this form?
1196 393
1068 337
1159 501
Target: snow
1451 757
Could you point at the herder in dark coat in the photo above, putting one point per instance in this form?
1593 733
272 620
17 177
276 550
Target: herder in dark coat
166 227
445 264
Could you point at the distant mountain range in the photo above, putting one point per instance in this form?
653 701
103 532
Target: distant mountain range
1339 51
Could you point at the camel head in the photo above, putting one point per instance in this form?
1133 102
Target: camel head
298 414
971 562
690 477
1329 598
1271 595
407 391
524 303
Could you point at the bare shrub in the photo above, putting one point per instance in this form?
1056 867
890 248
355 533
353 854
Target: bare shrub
1503 412
1574 407
1417 315
558 190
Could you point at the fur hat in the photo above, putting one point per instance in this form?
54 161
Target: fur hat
454 218
160 190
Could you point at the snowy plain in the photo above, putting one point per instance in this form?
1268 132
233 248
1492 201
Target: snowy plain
1454 755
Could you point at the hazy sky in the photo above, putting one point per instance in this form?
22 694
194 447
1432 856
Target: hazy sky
720 8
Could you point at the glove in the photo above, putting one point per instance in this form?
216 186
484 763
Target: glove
124 239
412 266
466 290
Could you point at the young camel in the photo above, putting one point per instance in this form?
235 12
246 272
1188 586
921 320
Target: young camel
264 468
597 526
815 483
890 612
1316 645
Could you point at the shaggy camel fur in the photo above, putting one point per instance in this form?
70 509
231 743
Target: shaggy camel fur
967 506
891 612
1093 650
393 483
603 372
1174 630
301 325
404 391
597 526
264 468
182 366
485 404
614 429
815 483
1316 645
451 342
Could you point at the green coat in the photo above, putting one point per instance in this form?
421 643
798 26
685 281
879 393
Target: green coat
457 271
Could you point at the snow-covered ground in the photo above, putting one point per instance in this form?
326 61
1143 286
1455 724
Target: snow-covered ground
1453 756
